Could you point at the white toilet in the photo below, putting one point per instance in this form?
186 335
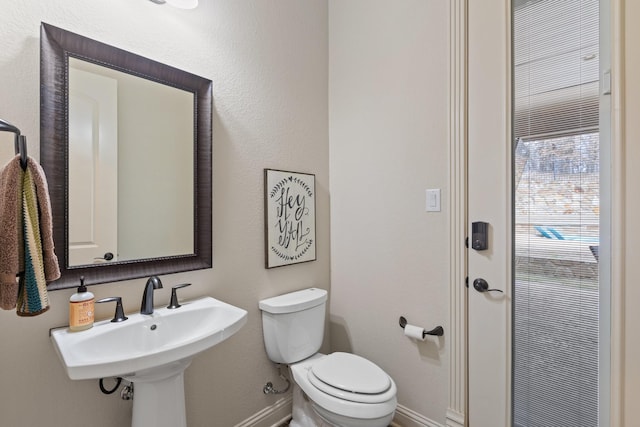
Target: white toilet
343 389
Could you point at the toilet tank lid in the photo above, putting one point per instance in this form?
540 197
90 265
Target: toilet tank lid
294 301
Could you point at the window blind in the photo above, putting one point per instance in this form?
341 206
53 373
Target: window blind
556 205
555 48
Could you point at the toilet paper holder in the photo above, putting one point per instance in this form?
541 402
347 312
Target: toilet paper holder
437 331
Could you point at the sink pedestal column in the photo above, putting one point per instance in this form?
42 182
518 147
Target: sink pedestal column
158 396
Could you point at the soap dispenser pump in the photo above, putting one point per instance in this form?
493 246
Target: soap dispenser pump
81 308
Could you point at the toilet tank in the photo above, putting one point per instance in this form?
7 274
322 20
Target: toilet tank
293 324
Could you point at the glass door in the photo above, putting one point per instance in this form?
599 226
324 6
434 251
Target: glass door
556 219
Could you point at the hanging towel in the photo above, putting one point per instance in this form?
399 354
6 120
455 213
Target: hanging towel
51 266
11 246
13 227
32 289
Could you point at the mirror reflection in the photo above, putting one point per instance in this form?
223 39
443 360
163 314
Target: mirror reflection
130 167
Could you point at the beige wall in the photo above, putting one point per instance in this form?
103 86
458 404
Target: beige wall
268 63
388 107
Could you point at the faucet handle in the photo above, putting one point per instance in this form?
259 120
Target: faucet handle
119 314
174 296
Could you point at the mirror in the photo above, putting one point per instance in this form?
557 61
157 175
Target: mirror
126 147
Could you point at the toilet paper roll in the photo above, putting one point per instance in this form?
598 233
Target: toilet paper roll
415 332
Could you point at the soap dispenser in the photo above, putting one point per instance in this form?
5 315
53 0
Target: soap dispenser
81 308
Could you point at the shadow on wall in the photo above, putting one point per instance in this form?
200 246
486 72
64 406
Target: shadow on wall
431 348
340 340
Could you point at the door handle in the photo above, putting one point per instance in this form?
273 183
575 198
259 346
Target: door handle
481 285
107 257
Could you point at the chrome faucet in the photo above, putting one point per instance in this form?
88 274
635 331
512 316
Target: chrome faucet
147 297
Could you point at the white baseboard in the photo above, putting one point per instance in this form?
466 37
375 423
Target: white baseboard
455 418
271 416
405 417
280 412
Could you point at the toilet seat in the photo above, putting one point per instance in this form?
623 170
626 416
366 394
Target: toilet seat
351 377
334 403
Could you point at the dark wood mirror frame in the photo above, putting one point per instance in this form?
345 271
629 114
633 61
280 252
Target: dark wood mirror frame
56 46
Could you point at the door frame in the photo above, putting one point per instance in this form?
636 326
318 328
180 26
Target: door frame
617 176
456 415
457 410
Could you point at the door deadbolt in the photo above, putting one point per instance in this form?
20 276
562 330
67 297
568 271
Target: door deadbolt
480 235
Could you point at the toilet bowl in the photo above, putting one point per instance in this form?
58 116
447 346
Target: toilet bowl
346 390
338 389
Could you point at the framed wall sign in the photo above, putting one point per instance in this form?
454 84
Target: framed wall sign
290 217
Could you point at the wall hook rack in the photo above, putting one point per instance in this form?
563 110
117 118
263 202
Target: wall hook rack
438 331
20 142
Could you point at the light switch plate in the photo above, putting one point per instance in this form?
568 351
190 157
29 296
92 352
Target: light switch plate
433 200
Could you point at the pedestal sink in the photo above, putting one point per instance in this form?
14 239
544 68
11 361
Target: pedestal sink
152 351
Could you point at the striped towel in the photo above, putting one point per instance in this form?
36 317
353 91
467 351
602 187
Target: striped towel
32 287
25 212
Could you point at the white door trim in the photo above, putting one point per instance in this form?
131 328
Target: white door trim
618 276
489 189
457 407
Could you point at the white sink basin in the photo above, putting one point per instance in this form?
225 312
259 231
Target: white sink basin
144 342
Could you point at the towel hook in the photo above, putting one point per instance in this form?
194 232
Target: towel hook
20 141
